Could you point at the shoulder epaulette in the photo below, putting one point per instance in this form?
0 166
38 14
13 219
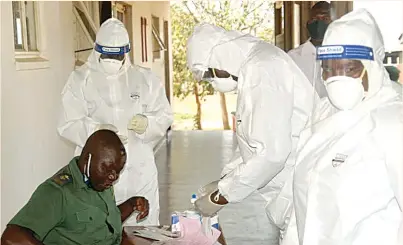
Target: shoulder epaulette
62 179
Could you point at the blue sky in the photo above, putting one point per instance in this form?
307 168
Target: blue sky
389 15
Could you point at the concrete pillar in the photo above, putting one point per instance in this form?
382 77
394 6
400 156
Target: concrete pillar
304 17
340 8
288 25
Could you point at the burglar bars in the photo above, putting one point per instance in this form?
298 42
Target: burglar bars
144 57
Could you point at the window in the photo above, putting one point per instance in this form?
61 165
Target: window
27 36
120 16
25 26
120 12
158 44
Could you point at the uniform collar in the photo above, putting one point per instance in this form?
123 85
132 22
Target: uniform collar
309 48
78 179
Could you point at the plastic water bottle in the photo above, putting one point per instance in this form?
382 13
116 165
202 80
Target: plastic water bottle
192 213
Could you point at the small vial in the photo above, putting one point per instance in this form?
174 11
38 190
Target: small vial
175 226
214 222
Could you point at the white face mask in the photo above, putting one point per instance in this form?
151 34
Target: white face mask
111 66
224 85
344 92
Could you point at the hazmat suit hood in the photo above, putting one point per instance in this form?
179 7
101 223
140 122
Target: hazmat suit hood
214 47
360 28
112 34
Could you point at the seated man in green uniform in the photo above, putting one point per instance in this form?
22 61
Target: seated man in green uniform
77 205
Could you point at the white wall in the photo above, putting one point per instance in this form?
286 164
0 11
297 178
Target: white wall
1 4
147 9
31 149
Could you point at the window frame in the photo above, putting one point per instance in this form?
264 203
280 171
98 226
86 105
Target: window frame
157 36
120 8
25 53
25 59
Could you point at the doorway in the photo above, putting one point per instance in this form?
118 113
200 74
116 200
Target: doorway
123 12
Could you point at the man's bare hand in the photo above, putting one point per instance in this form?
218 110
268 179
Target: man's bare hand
16 235
140 204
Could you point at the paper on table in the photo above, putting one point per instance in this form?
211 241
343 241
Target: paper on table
151 235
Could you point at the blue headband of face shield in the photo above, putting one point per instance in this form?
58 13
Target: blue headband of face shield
349 52
112 50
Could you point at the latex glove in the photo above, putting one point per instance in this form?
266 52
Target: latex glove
123 138
205 205
208 189
107 127
138 124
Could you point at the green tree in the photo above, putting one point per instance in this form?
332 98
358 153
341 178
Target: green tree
183 24
253 17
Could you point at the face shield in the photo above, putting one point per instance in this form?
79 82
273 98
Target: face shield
112 58
343 73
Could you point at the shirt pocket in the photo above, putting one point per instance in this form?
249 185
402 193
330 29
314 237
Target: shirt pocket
87 215
91 222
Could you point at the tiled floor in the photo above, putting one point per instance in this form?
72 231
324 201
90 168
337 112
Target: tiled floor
194 158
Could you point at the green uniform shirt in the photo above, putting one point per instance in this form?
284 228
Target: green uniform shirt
64 210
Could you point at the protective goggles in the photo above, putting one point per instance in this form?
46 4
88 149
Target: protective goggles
210 74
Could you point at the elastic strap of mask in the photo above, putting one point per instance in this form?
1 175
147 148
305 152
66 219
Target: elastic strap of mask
88 165
214 75
363 73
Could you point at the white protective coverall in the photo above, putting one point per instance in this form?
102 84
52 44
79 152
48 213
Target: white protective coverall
273 106
305 57
348 179
92 97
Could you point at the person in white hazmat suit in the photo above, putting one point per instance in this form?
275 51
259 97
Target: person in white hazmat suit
108 92
274 102
348 181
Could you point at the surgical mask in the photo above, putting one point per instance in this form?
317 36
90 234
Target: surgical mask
224 85
345 92
317 29
111 66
